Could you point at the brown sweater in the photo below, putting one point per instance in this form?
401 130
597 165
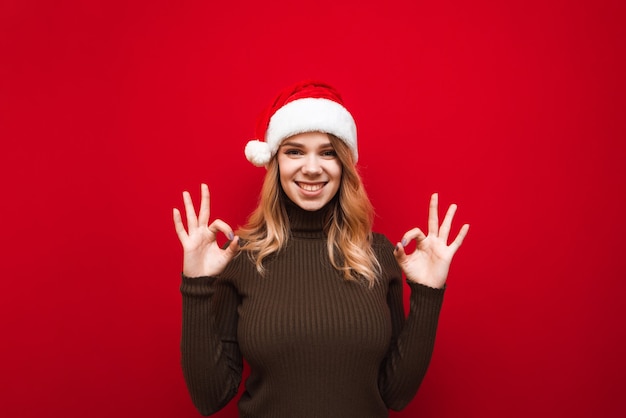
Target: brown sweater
317 345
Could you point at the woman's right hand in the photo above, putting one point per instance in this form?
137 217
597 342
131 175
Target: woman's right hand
202 256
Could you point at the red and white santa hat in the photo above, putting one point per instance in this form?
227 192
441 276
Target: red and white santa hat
308 106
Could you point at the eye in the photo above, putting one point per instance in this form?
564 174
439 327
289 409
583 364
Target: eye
330 153
292 151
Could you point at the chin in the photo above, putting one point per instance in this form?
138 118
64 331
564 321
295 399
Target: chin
311 206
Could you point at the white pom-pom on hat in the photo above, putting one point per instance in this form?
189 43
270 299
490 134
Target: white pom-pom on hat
258 153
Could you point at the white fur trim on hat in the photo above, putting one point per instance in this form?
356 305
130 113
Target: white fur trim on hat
300 116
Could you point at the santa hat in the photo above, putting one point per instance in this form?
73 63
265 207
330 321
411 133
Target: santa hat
305 107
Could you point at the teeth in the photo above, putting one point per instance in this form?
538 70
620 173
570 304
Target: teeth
311 187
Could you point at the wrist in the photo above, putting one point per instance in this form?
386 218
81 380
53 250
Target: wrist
434 284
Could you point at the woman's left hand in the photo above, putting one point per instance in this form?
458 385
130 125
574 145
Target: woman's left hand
430 262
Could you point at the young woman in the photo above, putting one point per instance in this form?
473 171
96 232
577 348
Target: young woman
306 292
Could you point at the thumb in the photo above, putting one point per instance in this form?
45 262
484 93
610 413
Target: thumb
233 248
399 253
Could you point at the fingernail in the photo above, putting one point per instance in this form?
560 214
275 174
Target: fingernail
231 236
404 242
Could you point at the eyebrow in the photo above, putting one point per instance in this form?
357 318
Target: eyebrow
300 145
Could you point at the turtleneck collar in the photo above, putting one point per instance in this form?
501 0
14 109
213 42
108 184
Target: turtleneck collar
305 223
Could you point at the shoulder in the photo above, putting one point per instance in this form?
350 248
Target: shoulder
380 241
383 249
240 266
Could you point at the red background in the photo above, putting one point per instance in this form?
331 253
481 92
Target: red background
513 110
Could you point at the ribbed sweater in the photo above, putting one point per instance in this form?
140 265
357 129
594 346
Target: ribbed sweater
317 344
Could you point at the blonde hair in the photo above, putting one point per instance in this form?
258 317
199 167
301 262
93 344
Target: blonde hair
348 227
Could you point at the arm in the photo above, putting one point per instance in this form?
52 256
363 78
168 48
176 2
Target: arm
210 354
211 361
413 338
412 343
426 270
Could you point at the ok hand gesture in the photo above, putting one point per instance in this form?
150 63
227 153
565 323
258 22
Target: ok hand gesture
430 262
202 256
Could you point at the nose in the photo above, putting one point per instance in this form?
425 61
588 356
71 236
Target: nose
311 165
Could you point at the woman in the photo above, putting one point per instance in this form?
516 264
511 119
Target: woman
306 292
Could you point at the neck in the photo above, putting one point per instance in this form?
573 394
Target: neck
305 223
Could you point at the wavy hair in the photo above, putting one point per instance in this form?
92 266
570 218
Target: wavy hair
348 227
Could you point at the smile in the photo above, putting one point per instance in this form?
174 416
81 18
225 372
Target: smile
310 187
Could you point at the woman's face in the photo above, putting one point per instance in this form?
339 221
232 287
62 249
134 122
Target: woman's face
310 171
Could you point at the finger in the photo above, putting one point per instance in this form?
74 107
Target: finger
413 234
220 226
459 238
190 212
444 230
205 207
178 226
433 216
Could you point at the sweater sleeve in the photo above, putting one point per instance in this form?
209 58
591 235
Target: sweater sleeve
210 357
412 342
